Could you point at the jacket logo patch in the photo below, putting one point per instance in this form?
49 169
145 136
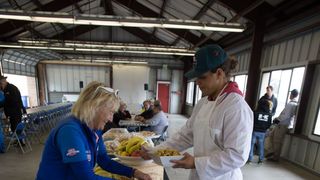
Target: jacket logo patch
263 117
72 152
88 155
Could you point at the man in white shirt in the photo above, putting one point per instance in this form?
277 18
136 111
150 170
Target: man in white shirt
159 120
284 122
221 123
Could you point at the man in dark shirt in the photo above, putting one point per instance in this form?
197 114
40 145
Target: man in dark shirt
147 113
271 98
13 107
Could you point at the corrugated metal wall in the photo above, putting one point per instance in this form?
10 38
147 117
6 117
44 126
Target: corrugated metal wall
292 51
64 79
244 59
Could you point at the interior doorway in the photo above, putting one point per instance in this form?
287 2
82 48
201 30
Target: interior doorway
163 95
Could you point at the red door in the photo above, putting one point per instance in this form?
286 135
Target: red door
163 96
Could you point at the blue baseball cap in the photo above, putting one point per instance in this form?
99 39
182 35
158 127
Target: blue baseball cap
207 58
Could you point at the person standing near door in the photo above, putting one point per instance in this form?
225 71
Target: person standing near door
13 107
221 123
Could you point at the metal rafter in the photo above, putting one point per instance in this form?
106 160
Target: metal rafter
13 3
202 11
311 7
78 8
78 30
160 14
146 12
241 13
11 25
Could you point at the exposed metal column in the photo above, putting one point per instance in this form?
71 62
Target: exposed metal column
41 73
188 64
255 61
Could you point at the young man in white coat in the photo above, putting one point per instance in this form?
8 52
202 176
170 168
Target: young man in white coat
221 123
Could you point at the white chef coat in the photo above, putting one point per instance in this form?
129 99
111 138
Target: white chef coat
220 132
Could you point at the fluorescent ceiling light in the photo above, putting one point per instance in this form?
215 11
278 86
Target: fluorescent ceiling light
89 49
112 61
112 47
105 20
11 61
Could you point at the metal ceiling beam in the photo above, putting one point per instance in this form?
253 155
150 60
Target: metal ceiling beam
202 11
160 14
39 5
76 5
238 6
146 12
243 12
78 30
11 25
14 4
273 23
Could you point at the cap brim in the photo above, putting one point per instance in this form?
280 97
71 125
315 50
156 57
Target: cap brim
192 74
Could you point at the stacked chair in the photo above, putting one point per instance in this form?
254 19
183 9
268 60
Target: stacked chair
37 123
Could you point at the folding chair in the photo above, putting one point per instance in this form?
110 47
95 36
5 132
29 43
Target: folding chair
162 137
19 135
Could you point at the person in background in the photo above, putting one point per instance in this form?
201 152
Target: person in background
221 123
13 107
158 121
283 122
147 113
2 146
262 121
121 114
76 146
270 97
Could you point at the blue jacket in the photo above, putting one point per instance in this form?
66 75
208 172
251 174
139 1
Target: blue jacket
71 152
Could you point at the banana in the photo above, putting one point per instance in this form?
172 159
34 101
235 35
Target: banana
124 143
133 141
133 148
121 148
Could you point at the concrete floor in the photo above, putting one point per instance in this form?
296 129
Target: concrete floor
15 166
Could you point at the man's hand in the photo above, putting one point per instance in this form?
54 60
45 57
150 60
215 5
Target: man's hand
276 121
144 153
186 162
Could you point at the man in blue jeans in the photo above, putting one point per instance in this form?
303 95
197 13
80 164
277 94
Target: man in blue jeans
262 121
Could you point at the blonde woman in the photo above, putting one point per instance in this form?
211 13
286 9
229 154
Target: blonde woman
75 146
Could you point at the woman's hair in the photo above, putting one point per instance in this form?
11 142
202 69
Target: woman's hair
94 96
229 66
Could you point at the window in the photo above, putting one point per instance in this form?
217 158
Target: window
316 130
198 94
264 83
241 80
190 89
282 81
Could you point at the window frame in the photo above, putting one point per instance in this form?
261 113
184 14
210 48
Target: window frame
315 120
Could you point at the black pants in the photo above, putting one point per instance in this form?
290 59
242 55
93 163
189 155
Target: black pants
15 119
